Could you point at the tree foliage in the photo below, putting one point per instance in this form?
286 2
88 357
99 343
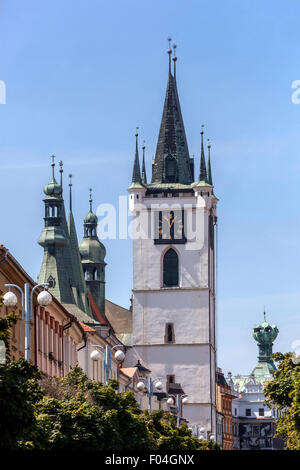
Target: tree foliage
75 413
283 392
6 323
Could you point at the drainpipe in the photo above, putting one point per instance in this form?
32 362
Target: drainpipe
85 341
35 335
66 327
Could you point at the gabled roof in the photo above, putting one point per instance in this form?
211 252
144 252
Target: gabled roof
96 311
129 371
87 328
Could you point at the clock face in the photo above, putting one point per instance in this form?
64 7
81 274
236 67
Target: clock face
170 227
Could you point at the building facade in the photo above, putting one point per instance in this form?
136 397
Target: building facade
224 409
173 301
54 334
254 423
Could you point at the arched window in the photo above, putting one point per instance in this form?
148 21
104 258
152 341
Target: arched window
170 268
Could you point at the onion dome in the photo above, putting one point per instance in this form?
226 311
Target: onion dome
53 189
91 218
265 333
91 249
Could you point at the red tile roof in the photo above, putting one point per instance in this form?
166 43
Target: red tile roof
129 371
87 328
96 312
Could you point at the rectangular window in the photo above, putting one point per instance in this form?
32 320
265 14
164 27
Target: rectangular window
248 412
261 412
170 380
169 333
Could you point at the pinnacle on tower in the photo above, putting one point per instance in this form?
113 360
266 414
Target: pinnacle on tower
136 174
144 175
203 173
209 174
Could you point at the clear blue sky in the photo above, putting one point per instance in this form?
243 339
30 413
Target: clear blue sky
81 75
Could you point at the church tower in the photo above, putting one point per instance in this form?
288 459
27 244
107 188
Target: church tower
92 253
61 266
174 264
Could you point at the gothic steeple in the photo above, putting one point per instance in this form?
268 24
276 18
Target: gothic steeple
79 287
172 163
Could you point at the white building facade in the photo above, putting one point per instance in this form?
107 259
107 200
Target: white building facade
173 232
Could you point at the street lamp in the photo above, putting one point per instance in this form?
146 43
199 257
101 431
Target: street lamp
177 400
150 386
44 298
119 356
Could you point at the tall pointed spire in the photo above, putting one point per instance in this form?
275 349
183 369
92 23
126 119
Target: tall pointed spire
170 54
70 186
53 165
172 161
209 174
61 173
91 200
136 174
144 175
174 59
203 173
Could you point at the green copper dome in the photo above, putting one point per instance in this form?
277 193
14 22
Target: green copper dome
53 189
92 250
265 333
91 218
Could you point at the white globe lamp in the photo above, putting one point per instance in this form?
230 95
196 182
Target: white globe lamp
159 385
140 386
10 299
44 298
95 355
119 356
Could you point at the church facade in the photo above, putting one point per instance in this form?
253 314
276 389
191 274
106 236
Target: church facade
173 301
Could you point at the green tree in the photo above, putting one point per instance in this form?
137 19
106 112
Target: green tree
6 323
162 425
283 393
19 391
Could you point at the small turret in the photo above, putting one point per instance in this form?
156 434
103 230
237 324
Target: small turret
265 334
92 253
53 233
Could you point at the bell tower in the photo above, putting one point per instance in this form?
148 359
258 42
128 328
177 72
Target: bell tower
54 239
92 253
174 220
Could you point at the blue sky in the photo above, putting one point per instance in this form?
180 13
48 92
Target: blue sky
81 75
